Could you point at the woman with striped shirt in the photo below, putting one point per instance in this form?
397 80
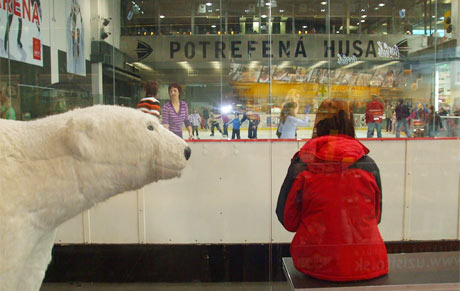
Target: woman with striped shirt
175 112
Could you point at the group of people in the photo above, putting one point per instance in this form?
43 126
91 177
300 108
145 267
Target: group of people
211 120
175 114
332 235
425 120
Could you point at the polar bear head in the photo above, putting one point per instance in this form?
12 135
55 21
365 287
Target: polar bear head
118 149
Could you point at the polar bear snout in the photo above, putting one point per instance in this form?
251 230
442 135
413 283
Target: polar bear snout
187 152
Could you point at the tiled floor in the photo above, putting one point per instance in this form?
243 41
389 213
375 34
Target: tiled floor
251 286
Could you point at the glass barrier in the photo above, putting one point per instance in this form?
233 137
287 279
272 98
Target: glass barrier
241 69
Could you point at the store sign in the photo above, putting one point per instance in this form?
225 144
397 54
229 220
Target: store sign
345 60
282 47
387 51
20 31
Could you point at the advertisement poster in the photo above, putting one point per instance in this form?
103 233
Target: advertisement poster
76 63
20 23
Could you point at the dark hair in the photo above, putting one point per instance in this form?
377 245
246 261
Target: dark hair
175 85
334 117
151 88
288 109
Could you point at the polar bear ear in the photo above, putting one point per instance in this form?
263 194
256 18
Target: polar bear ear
76 137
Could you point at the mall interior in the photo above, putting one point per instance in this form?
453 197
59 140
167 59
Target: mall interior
215 227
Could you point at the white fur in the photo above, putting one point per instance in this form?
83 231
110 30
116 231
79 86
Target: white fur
56 167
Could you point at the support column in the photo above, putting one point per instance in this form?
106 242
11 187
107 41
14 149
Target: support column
96 68
347 17
96 82
192 24
455 65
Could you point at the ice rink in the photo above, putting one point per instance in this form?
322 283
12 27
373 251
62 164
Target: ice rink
267 133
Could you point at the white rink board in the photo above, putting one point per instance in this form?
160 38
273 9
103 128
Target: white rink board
389 157
71 231
433 178
222 197
228 194
115 221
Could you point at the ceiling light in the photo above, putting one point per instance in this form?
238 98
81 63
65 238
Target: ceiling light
281 10
253 64
216 65
208 4
162 16
363 16
352 64
323 10
213 26
106 21
185 65
376 8
284 64
362 10
143 66
381 4
105 35
323 3
263 16
304 26
363 20
386 64
318 64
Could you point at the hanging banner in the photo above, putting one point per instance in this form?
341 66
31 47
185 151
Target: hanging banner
20 31
76 63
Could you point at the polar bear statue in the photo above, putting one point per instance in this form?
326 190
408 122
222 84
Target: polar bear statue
54 168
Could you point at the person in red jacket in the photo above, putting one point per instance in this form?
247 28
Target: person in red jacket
374 117
332 199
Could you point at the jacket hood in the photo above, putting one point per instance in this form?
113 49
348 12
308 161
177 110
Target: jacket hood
332 153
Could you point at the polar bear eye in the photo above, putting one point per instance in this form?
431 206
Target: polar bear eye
150 127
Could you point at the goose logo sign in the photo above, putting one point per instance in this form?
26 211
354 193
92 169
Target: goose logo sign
143 50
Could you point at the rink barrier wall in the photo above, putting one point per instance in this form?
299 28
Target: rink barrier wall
190 262
228 192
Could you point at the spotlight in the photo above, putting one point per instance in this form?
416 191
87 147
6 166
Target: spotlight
226 109
135 9
106 21
105 35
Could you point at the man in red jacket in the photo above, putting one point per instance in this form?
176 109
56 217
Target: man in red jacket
332 199
374 116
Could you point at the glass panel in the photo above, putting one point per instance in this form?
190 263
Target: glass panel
242 69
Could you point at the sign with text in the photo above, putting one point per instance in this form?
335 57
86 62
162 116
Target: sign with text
20 31
280 47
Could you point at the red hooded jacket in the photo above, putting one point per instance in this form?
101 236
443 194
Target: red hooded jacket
331 198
